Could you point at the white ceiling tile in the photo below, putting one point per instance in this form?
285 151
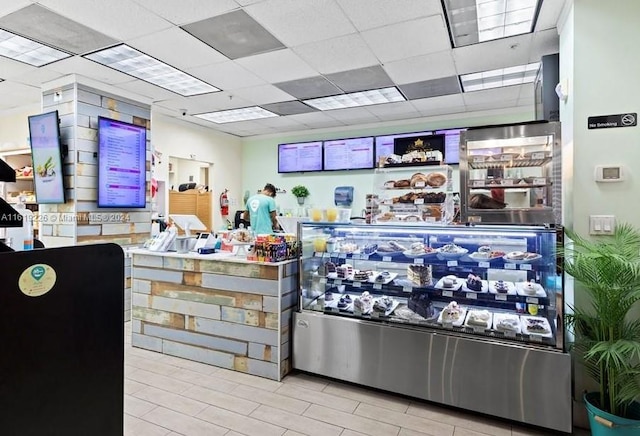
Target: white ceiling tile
153 92
493 54
87 68
506 93
368 14
262 94
35 76
280 122
544 42
353 115
408 39
397 108
187 11
177 48
316 119
293 25
443 111
226 75
439 105
420 68
278 66
19 93
10 68
8 7
549 13
247 2
337 54
120 19
489 105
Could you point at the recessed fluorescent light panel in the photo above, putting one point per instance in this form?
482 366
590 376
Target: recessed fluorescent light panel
25 50
471 22
233 115
500 77
137 64
355 99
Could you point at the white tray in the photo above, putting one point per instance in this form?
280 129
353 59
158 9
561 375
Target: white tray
333 304
478 327
389 279
484 290
525 330
411 255
519 261
452 256
511 288
460 320
539 290
475 256
455 287
499 316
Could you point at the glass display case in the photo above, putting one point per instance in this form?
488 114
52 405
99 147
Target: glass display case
468 316
413 195
511 174
499 282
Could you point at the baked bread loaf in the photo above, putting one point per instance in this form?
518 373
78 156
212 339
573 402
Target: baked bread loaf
419 180
404 183
436 180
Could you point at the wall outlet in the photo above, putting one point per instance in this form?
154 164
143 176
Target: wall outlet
601 224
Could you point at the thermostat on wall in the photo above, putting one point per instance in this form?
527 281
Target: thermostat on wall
609 173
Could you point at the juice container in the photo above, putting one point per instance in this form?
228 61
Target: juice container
316 214
332 214
320 244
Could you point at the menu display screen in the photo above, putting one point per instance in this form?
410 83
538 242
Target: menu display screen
451 145
121 164
300 157
47 158
349 154
384 144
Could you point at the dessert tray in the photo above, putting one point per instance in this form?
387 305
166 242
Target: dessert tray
511 288
485 287
539 290
335 305
509 258
481 257
389 253
536 325
507 323
478 319
451 251
413 255
459 321
387 279
456 286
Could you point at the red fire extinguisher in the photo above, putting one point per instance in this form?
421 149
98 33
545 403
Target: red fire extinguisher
224 203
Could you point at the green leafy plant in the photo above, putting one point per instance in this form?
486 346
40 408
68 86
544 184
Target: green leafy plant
300 191
607 338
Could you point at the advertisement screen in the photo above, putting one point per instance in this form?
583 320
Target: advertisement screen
46 153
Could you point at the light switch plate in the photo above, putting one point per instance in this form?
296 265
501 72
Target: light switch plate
601 224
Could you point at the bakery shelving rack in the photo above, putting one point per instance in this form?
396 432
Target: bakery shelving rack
414 354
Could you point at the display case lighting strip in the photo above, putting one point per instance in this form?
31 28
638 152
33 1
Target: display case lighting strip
26 50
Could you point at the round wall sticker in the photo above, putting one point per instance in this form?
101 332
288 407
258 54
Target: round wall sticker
37 280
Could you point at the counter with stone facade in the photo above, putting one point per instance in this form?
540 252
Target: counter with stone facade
216 309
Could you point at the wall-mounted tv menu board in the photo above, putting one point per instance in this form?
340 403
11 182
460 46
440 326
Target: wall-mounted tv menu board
349 154
46 153
384 144
300 157
122 164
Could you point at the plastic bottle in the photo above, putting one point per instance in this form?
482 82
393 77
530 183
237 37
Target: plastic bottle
22 237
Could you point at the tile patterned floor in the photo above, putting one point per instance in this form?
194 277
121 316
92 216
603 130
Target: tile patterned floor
168 396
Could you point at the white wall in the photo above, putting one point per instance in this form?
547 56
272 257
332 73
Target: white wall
14 127
261 158
182 139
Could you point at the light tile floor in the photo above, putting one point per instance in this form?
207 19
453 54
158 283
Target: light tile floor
168 396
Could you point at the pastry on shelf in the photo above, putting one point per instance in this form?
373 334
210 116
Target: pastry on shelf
344 302
449 281
481 318
389 184
382 277
364 303
530 287
418 248
328 296
361 276
421 304
419 180
474 283
344 271
390 247
386 216
369 248
383 305
421 275
330 268
483 201
404 183
452 249
501 287
507 323
452 313
537 325
436 180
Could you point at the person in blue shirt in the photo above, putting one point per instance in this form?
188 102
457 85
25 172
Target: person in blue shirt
262 210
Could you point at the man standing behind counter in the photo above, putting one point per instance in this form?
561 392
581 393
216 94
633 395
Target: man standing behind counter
262 210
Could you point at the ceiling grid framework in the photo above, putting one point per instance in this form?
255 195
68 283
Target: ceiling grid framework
273 55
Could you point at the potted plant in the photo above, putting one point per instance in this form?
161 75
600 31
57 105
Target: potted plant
607 336
301 192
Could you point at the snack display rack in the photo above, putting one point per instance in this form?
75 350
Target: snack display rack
413 195
447 303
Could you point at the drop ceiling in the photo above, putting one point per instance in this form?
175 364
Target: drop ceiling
275 53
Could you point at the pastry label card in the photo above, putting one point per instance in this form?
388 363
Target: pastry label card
37 280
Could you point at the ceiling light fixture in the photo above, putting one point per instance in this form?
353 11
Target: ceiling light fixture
233 115
25 50
501 77
487 20
137 64
356 99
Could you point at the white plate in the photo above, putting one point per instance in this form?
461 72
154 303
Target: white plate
539 290
486 326
499 316
389 253
411 255
389 311
387 280
485 287
460 320
525 330
452 256
478 258
511 288
519 261
456 286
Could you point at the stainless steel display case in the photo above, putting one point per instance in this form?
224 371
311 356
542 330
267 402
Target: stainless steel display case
520 375
519 166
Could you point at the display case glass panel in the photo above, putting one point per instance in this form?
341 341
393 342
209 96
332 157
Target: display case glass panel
494 282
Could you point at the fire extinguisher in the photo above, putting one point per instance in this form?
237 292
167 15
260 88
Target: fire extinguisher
224 203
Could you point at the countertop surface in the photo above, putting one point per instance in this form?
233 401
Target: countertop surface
223 256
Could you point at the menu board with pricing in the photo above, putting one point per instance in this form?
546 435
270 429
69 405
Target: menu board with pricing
348 154
384 144
121 164
451 145
300 157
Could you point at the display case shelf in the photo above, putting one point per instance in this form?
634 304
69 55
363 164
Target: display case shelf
485 164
